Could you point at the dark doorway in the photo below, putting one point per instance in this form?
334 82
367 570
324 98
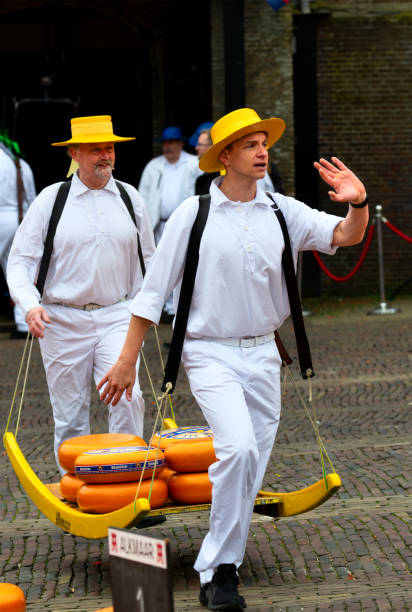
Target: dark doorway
99 60
72 62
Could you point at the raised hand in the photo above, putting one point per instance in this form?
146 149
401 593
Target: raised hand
345 184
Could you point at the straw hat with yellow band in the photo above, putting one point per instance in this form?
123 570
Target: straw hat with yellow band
233 126
98 128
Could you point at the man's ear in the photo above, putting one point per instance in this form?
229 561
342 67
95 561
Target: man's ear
224 157
74 153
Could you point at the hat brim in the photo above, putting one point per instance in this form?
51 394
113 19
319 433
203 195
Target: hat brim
91 139
274 128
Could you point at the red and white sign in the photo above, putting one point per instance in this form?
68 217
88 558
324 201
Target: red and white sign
136 547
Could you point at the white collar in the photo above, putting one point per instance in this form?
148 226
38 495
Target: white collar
78 187
219 197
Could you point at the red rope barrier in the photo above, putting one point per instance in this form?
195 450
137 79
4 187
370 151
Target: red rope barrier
357 266
397 231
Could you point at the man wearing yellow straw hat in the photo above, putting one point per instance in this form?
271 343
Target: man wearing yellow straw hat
81 314
239 300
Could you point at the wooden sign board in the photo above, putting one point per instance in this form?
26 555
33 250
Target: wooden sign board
140 572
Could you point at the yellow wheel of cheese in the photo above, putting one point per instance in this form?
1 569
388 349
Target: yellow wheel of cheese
11 598
69 486
194 488
180 434
197 457
118 464
73 447
102 498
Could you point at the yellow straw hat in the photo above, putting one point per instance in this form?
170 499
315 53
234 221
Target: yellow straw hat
98 128
233 126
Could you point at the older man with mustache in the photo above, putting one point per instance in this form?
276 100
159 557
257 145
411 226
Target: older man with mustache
102 240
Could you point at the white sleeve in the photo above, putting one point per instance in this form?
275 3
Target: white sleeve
29 185
27 250
144 184
166 266
309 228
149 189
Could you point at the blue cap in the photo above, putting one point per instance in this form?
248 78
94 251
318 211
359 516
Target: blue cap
194 137
172 133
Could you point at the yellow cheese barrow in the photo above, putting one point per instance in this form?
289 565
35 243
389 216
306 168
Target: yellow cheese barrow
72 520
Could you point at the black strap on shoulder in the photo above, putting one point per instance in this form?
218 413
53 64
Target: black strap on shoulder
305 359
126 199
186 292
58 206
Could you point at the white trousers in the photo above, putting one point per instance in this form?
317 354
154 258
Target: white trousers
238 391
8 227
77 346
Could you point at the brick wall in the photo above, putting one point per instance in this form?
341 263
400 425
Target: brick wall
365 118
269 75
364 80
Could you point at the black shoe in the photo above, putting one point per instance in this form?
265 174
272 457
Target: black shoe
221 593
18 335
167 345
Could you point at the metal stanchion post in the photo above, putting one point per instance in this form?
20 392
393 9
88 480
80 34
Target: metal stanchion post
382 309
305 313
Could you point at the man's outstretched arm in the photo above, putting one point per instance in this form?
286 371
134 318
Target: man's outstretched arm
346 187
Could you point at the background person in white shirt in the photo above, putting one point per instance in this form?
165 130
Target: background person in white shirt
11 216
93 275
239 293
166 181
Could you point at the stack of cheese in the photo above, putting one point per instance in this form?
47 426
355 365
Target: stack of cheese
104 472
188 452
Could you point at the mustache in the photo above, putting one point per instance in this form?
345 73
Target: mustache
105 163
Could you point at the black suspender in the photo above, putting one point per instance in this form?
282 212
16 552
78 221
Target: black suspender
305 359
58 206
48 245
126 199
186 292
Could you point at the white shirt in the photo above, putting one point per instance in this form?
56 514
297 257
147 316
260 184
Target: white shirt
170 186
95 257
8 184
152 184
239 289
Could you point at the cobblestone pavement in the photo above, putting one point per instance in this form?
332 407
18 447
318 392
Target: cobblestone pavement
352 553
